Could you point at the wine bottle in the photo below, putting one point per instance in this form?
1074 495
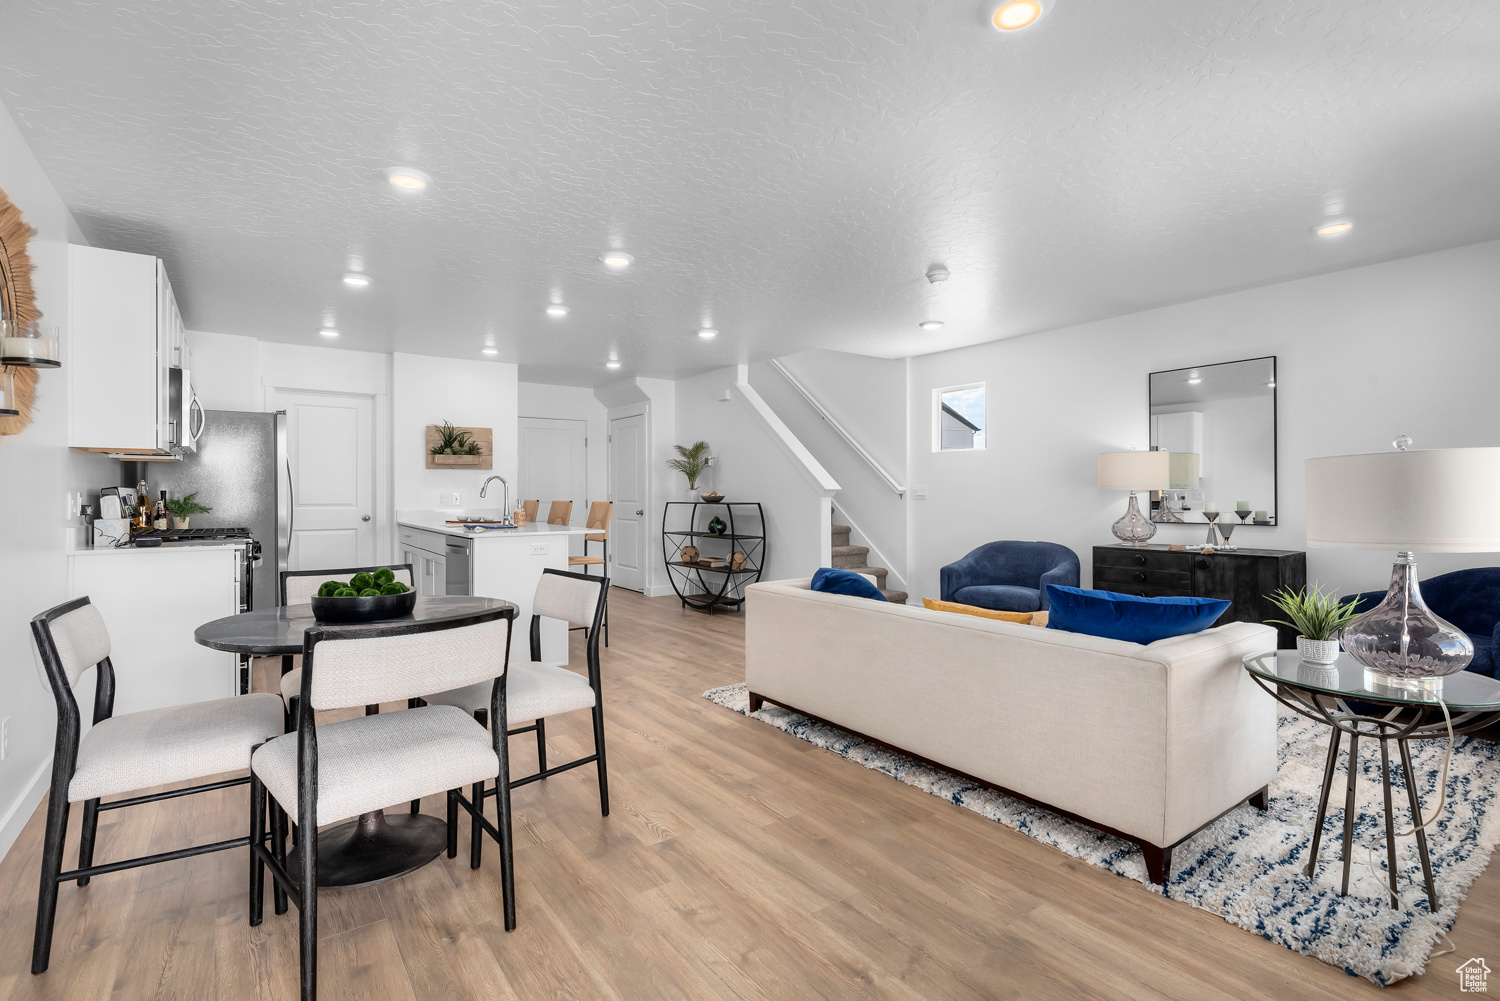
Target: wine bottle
159 515
142 506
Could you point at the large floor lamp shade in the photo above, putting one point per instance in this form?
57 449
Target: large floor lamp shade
1444 500
1135 471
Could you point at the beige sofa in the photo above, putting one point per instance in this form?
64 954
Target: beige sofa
1147 742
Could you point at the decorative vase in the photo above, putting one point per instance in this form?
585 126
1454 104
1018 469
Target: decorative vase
717 526
1134 529
1318 651
692 495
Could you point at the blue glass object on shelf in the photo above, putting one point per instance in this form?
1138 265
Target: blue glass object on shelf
717 526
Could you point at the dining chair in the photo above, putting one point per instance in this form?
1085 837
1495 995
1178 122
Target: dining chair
600 513
537 690
530 507
561 512
126 753
328 773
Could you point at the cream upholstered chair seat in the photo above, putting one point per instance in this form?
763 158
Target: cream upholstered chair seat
158 746
532 691
370 762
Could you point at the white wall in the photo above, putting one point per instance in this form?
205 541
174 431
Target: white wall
866 395
36 472
225 370
427 390
1409 346
574 403
751 466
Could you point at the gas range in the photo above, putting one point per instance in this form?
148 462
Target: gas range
167 536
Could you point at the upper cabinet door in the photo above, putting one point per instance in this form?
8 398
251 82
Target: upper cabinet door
116 370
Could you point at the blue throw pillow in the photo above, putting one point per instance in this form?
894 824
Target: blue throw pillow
1126 617
845 582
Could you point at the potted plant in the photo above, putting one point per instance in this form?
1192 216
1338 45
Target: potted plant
1318 618
184 508
692 460
455 447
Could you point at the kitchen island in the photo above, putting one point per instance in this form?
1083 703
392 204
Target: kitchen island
501 563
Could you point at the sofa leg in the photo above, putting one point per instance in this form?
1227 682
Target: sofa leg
1261 799
756 702
1158 863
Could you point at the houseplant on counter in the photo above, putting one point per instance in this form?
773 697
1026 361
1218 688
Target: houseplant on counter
691 461
1318 617
183 508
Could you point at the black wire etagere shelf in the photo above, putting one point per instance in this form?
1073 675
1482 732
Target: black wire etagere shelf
702 583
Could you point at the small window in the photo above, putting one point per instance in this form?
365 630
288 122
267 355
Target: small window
958 423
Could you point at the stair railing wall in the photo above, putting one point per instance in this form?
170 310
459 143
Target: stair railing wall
839 429
895 580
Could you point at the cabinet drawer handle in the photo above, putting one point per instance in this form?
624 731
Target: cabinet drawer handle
1203 564
1140 560
1140 575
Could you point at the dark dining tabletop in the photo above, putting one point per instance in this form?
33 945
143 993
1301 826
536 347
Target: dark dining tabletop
270 632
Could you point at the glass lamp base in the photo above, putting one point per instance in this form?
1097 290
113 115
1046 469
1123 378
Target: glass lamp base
1402 642
1135 529
1432 684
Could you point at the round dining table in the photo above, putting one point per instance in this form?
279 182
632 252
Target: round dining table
375 846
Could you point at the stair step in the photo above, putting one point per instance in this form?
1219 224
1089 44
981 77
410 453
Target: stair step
848 557
894 597
877 572
840 535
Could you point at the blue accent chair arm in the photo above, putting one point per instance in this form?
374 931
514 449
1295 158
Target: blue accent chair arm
1064 574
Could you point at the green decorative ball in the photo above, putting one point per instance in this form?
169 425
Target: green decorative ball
369 592
384 576
330 587
360 581
394 587
346 592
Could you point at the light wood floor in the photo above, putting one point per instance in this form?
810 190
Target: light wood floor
739 862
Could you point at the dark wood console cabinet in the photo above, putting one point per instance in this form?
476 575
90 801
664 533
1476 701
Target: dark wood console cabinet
1241 576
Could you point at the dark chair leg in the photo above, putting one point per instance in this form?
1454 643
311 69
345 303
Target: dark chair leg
756 702
52 857
541 745
507 858
307 912
476 832
278 852
1158 864
453 823
257 839
599 750
86 838
290 721
1261 799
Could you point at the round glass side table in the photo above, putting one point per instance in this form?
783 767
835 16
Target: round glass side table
1356 704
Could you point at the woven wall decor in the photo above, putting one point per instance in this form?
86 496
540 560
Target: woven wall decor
20 303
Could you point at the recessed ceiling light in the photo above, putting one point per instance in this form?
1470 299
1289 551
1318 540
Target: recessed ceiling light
329 332
356 280
931 324
616 259
557 309
1194 381
1271 384
708 334
489 351
1017 14
407 178
611 364
1334 228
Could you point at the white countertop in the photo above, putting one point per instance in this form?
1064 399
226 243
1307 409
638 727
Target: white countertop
436 521
74 549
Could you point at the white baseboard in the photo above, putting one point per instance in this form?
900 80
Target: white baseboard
23 808
659 591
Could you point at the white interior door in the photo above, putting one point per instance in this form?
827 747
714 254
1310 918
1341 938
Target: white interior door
627 489
554 464
331 451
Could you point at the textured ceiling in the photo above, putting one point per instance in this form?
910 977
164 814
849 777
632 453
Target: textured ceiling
786 171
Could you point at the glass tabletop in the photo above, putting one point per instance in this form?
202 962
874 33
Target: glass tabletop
1466 690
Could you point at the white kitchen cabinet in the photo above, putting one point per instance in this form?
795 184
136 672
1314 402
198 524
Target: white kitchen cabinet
125 335
152 600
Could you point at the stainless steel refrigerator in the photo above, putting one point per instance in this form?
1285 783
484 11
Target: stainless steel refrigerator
241 471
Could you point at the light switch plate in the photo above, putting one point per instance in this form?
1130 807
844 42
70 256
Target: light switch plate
919 493
4 738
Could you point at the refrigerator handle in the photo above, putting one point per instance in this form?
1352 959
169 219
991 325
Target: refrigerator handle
291 512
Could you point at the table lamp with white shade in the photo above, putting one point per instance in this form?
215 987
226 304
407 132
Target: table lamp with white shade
1135 471
1443 500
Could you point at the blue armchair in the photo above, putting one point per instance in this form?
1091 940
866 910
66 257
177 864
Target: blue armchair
1010 576
1470 599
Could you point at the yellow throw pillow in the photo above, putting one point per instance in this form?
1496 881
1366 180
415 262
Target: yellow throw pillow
984 613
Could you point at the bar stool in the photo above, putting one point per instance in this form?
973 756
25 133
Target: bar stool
530 507
560 513
600 513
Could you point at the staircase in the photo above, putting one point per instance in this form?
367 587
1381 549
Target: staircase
847 557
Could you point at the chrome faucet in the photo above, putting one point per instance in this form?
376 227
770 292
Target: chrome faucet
505 509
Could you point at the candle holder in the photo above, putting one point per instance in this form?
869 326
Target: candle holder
1226 530
8 394
1213 529
32 346
1244 516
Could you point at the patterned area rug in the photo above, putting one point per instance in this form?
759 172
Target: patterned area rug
1247 866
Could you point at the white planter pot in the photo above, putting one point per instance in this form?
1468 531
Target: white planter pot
180 522
1317 651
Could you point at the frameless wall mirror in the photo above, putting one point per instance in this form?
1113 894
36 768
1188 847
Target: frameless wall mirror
1219 423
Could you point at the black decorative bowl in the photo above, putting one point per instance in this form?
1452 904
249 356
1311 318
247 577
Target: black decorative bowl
385 606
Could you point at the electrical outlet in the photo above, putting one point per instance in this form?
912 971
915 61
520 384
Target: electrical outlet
457 499
538 549
4 738
449 498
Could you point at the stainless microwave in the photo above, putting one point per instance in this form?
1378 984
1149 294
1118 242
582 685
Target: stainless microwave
184 413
